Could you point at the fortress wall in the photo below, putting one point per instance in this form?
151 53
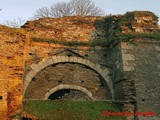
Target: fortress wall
68 28
66 74
135 68
37 51
136 74
11 72
3 99
114 59
141 65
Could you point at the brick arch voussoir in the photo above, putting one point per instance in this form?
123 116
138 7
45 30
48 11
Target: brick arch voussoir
73 87
35 68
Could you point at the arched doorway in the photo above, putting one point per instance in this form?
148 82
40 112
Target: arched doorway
71 70
69 92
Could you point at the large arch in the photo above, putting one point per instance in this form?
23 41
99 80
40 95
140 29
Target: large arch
74 87
35 68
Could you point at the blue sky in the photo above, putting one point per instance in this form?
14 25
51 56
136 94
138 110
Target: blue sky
25 9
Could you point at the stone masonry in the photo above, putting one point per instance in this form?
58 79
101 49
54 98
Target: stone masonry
128 74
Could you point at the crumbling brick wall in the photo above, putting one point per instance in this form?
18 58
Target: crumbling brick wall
12 43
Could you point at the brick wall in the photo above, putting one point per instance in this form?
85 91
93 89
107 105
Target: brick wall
11 70
3 99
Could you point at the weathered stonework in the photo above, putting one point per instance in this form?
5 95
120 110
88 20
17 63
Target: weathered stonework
127 74
104 73
12 44
3 100
73 87
75 28
135 68
144 74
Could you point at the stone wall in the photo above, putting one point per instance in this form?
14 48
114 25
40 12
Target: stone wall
12 44
71 28
38 52
124 90
135 75
3 99
131 68
141 67
131 22
114 59
67 74
130 71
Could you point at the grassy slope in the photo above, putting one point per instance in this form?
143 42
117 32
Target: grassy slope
70 110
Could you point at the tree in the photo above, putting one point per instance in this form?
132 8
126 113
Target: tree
61 9
86 8
16 23
42 12
71 8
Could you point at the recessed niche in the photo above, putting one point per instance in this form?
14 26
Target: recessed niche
69 55
82 81
0 97
30 53
59 81
143 100
101 85
19 90
86 55
33 79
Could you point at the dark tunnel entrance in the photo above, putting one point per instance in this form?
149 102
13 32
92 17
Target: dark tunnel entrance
68 94
59 94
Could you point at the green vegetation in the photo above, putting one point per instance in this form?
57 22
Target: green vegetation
142 13
70 110
61 42
116 28
103 42
80 21
134 35
129 22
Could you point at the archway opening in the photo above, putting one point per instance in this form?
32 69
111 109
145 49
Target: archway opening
59 94
72 74
68 94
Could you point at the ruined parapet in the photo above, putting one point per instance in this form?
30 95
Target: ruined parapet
143 21
69 28
136 21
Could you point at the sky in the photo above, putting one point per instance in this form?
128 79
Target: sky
25 9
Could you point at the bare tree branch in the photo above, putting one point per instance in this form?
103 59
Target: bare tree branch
86 8
16 23
74 7
42 12
61 9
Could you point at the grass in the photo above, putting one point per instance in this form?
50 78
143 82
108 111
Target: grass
61 42
70 110
103 42
133 35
